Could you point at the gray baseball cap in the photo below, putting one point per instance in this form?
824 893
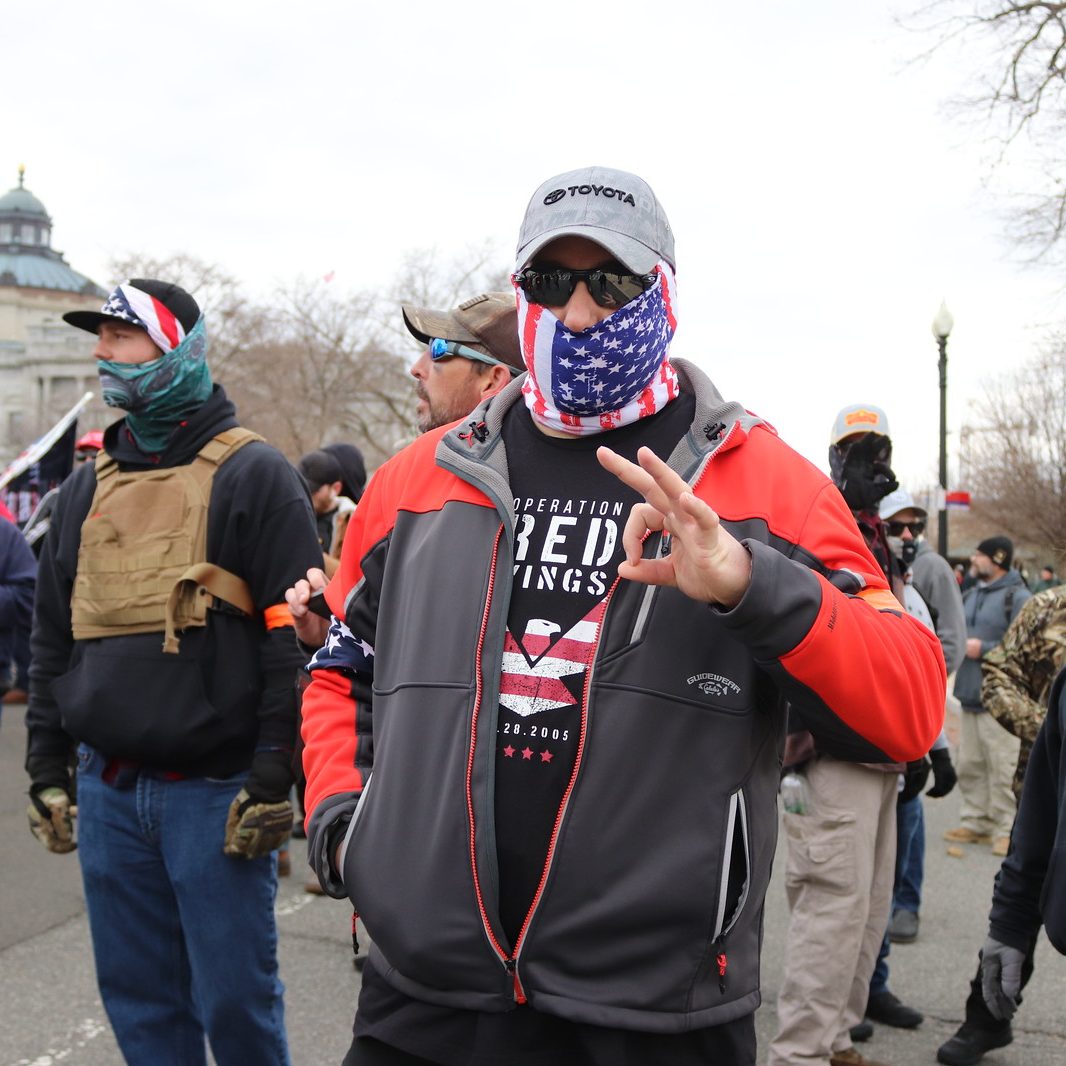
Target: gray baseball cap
611 207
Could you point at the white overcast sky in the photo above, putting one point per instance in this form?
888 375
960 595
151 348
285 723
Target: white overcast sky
822 201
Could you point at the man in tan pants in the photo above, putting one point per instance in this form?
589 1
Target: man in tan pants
841 859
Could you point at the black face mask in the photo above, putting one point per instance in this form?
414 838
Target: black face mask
908 552
862 471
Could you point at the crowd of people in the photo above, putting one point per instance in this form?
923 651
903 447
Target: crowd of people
579 633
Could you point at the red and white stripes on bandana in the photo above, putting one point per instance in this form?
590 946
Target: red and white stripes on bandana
609 375
137 307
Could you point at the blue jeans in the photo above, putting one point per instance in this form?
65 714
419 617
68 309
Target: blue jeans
184 937
910 869
910 855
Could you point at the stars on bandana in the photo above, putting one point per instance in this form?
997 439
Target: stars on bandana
586 366
117 306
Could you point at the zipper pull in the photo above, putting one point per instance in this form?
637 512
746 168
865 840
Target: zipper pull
723 962
512 968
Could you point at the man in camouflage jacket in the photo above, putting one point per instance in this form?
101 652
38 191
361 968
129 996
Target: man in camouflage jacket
1016 677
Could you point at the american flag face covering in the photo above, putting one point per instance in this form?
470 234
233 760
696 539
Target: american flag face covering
154 317
610 375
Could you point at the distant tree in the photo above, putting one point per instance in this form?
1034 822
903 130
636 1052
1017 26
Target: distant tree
1013 455
425 278
1016 55
322 369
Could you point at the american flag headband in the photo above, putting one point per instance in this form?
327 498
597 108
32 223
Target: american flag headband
140 309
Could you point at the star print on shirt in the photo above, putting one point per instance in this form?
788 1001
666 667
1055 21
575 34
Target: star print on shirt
509 751
545 756
527 753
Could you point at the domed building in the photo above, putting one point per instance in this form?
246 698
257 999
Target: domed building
45 366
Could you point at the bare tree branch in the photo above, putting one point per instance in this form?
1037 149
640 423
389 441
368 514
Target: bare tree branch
1013 452
1018 56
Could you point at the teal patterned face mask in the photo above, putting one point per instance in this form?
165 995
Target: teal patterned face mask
160 394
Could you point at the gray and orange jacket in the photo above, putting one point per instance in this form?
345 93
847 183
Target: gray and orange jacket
649 910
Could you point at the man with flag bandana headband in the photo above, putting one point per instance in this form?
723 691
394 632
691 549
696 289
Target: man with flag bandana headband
543 734
180 718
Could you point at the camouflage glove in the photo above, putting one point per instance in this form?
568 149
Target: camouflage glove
254 827
52 819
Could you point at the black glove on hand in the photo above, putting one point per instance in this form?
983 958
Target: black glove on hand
1001 978
914 779
867 476
944 776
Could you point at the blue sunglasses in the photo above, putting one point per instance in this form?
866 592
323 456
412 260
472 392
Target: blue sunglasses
442 349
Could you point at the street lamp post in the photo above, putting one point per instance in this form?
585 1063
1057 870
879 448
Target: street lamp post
941 330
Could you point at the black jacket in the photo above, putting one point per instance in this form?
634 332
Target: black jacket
17 569
1031 884
229 692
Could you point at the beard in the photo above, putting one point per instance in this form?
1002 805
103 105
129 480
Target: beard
447 408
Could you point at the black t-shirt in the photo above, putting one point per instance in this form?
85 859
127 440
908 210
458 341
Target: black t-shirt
569 518
570 514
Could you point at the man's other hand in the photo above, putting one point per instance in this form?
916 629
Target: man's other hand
255 828
310 628
705 561
1001 978
51 818
944 776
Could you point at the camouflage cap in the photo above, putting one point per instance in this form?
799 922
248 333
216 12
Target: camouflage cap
488 323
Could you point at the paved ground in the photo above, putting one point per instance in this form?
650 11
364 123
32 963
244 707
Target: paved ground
50 1012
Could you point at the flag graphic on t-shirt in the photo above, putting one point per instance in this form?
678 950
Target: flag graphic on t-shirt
533 669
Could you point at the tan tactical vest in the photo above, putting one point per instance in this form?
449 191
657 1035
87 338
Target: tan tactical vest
142 562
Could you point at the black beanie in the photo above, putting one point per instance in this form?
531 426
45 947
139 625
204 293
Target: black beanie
999 549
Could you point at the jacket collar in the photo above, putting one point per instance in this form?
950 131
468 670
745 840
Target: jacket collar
718 424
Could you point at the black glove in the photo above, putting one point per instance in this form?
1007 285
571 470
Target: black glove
914 779
867 477
944 776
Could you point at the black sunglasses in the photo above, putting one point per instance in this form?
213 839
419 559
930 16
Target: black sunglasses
553 288
895 529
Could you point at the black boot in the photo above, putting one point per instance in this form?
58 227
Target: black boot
968 1045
